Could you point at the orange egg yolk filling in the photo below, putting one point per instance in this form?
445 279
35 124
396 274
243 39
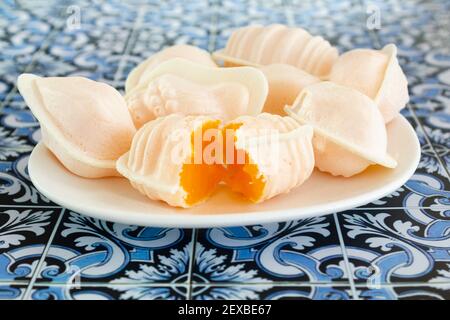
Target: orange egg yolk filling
199 180
242 174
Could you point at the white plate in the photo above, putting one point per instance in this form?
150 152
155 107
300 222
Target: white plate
114 199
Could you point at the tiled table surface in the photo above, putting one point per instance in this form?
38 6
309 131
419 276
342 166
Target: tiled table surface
395 248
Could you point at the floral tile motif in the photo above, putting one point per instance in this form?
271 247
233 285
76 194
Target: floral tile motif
15 184
12 291
87 250
390 251
24 232
175 22
421 31
21 35
397 245
271 292
428 187
94 49
108 292
405 293
306 250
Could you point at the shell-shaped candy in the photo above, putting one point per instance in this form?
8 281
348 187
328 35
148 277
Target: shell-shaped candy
272 155
181 86
257 45
162 161
377 74
349 131
86 124
184 51
285 83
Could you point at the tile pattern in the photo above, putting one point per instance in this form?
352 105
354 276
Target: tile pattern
395 248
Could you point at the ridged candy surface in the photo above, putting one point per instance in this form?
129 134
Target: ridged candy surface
276 43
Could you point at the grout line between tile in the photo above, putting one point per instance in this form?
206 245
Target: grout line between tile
28 206
129 43
407 284
209 284
212 40
14 283
345 257
288 13
107 284
273 284
396 208
26 295
191 263
230 284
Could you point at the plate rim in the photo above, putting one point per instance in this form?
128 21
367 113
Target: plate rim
245 218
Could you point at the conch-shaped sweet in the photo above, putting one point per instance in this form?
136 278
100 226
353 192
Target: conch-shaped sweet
285 83
349 131
85 123
187 52
377 74
166 160
181 86
272 155
257 45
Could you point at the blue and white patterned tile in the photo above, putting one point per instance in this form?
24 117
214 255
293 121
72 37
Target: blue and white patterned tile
19 123
303 251
230 15
94 50
439 137
12 291
19 132
271 292
113 261
88 250
420 29
429 186
21 36
16 187
169 23
397 245
106 292
24 233
405 292
343 23
51 11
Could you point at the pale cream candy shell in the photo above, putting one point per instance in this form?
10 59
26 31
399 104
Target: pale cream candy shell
149 165
377 74
257 45
285 83
294 154
187 52
349 131
252 79
86 136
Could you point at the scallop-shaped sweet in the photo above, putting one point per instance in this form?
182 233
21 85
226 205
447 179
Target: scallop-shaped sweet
257 45
349 130
187 52
285 83
86 124
271 155
184 87
377 74
166 161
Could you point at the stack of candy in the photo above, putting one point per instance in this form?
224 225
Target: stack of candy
283 103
